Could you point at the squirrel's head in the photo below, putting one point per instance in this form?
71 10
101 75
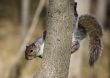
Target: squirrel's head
30 51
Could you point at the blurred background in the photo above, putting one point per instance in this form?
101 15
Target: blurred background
23 21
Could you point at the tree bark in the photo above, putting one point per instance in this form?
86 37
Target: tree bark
58 40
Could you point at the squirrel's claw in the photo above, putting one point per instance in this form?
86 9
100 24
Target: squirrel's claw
75 46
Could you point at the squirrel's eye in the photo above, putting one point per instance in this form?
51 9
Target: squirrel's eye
31 50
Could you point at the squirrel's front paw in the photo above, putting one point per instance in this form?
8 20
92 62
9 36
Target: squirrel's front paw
75 46
40 56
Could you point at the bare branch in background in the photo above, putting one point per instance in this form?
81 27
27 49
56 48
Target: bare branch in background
25 17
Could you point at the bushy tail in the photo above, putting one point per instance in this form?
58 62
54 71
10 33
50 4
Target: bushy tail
95 49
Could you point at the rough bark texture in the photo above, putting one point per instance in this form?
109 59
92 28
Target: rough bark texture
58 40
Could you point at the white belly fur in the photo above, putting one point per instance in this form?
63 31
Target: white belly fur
41 50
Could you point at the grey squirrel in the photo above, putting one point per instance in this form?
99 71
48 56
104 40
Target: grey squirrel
35 49
87 26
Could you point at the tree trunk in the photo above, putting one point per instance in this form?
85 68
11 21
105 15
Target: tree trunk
58 40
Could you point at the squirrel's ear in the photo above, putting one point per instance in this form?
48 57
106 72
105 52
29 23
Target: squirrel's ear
33 44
